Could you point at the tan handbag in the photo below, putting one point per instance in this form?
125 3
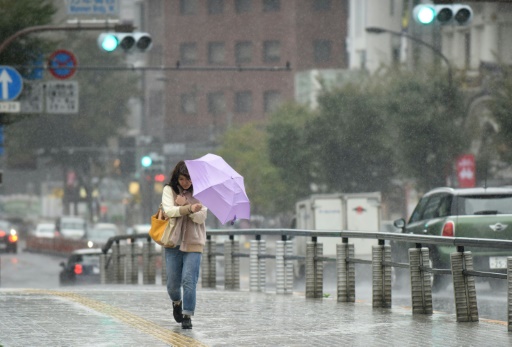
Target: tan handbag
159 222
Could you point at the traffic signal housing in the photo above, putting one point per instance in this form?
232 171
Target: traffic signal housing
128 42
443 14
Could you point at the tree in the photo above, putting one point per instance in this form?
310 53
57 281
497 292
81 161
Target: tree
426 115
264 187
350 141
501 109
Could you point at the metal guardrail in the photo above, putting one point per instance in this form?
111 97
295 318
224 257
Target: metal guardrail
419 267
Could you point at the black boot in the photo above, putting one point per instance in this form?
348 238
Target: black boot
176 312
187 322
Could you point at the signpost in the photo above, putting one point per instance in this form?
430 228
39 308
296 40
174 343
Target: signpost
11 85
62 97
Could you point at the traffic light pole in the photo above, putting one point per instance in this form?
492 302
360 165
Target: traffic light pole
78 27
375 30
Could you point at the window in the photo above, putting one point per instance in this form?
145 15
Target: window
156 103
188 53
243 102
243 52
271 51
242 6
189 103
322 50
216 52
216 103
271 99
215 6
188 7
321 5
271 5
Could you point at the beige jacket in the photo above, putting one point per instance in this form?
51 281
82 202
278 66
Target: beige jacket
190 231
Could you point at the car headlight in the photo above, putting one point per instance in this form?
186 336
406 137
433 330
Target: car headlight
90 244
13 232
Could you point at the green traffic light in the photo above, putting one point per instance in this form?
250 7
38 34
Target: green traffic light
425 14
146 161
109 42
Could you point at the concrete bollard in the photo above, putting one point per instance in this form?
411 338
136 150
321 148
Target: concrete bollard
346 273
132 265
421 281
232 265
381 276
509 292
466 308
208 265
314 270
104 278
257 266
148 263
117 264
284 268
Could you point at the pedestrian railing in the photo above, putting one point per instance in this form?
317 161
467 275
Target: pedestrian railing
121 265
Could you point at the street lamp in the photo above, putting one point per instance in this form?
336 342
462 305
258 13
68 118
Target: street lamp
376 30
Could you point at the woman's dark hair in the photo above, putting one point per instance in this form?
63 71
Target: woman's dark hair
179 169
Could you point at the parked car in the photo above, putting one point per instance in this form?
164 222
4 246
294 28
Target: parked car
82 267
8 237
100 233
471 213
45 230
72 227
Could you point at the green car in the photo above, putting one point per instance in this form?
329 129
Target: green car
484 213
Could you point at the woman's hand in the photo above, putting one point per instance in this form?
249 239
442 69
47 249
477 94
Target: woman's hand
196 208
181 200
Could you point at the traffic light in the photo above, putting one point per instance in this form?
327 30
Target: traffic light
146 161
443 14
128 42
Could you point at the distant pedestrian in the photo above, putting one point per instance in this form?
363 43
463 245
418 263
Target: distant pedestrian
184 260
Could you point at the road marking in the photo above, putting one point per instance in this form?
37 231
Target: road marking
148 327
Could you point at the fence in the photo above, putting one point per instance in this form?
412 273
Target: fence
121 266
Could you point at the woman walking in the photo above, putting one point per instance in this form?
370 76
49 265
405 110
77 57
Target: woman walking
184 260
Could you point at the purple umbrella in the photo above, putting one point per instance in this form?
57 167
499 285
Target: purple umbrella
219 187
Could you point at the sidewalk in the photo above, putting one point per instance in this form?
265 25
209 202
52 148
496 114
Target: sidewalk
142 316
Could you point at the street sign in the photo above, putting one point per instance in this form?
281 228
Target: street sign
96 7
11 83
32 98
62 97
62 64
10 107
466 171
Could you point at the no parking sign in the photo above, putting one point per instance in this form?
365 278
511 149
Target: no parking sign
62 64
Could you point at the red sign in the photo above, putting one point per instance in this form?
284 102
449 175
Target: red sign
62 64
466 171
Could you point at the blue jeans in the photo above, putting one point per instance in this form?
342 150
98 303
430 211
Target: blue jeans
182 271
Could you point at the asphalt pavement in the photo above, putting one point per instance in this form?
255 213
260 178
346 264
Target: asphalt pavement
141 315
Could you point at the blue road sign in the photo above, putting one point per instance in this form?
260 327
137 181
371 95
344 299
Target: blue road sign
11 83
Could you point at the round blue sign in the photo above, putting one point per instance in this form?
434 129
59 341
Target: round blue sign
11 83
62 64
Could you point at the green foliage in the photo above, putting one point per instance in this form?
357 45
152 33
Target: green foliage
263 185
501 109
427 115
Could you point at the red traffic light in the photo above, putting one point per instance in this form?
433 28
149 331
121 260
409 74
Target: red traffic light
159 177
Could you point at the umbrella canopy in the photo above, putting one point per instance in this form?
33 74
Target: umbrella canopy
219 187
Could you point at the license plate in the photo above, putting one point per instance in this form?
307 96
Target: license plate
497 262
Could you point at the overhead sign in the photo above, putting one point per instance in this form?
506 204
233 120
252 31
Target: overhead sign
62 97
62 64
90 7
11 83
466 171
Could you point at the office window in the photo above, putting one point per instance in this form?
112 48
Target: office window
271 99
271 51
321 5
216 103
189 103
216 52
243 52
243 102
271 5
188 7
215 6
322 50
242 6
188 53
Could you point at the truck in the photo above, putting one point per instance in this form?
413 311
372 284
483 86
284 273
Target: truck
351 211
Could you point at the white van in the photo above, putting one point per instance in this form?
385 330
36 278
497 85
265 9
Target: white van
71 227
